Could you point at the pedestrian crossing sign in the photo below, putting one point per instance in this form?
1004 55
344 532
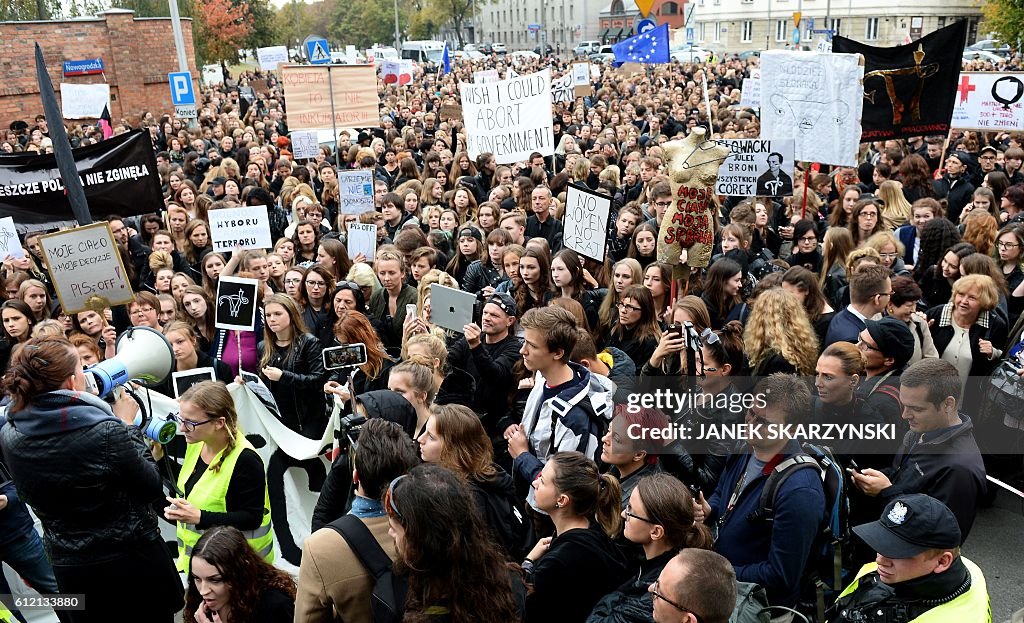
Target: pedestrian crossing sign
318 52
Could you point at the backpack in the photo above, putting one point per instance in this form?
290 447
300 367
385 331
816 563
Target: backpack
751 604
505 519
387 602
824 574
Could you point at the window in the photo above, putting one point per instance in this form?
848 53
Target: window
942 22
700 31
748 31
871 29
718 31
836 25
780 30
669 8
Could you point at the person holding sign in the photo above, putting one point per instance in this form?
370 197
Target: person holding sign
223 477
291 365
187 356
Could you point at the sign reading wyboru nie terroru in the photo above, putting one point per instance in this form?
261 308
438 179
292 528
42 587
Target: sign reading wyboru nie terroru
909 90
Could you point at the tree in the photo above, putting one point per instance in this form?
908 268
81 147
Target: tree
363 23
1006 18
455 12
21 10
220 29
262 20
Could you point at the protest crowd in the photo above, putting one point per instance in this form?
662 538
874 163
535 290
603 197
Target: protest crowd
489 470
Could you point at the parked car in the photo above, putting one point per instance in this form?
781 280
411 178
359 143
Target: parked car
983 55
586 48
499 48
604 50
470 47
602 58
525 55
748 54
486 48
690 54
550 50
993 46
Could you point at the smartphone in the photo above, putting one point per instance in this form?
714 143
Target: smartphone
346 356
675 328
410 311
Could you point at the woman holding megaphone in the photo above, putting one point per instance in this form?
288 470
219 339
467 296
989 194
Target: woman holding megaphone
223 477
87 473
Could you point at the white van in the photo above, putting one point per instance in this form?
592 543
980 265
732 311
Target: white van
384 53
423 51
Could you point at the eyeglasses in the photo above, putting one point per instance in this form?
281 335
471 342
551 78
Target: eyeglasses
142 311
389 499
294 280
663 204
889 294
188 425
809 239
316 284
656 591
888 256
758 420
629 307
1007 245
629 515
861 344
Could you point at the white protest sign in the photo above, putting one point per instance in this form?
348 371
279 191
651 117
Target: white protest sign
486 75
757 167
581 74
586 221
396 72
247 227
270 58
989 101
815 99
86 268
236 303
9 242
562 89
511 73
213 74
823 45
304 144
355 191
182 381
362 239
84 101
751 92
511 118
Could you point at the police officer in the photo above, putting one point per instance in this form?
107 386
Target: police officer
918 574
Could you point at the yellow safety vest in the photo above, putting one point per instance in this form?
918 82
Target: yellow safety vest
6 616
210 494
971 607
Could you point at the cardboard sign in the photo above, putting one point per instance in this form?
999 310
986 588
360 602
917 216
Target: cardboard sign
236 303
751 92
245 228
510 119
989 101
586 221
270 58
84 101
259 86
451 112
757 167
10 244
362 238
356 103
581 79
815 99
182 381
304 144
86 268
355 191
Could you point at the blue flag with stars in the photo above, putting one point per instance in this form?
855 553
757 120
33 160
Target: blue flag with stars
446 59
650 47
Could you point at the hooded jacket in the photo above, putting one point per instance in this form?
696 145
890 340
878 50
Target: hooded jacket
580 567
496 499
89 477
632 601
574 419
458 388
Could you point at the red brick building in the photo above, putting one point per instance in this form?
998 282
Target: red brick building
617 20
137 54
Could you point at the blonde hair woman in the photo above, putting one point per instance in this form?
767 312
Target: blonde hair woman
778 335
897 210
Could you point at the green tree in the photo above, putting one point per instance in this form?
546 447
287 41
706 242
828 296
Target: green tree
363 23
21 10
454 12
261 18
1006 18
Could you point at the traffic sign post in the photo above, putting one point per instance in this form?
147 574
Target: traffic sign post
183 94
689 36
318 52
644 25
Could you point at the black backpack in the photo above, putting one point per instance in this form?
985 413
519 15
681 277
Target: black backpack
824 574
387 602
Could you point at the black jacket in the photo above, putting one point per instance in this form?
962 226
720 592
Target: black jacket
299 393
492 367
499 506
947 465
632 602
956 191
479 275
990 326
579 568
458 388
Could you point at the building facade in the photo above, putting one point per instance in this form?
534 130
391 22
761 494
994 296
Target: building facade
618 19
737 25
524 24
137 77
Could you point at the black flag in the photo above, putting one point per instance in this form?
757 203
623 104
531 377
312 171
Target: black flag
61 145
909 90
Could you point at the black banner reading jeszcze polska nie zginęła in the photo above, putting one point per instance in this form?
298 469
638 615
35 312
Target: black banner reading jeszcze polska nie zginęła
119 176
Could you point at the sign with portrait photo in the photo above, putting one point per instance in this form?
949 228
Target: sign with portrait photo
757 167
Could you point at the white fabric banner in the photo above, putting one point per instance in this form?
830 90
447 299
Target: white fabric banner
815 99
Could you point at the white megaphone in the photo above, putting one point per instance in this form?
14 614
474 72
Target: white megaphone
142 355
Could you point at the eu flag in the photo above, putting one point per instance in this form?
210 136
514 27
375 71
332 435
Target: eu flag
650 47
446 60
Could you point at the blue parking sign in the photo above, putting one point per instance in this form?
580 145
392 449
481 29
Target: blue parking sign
182 92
